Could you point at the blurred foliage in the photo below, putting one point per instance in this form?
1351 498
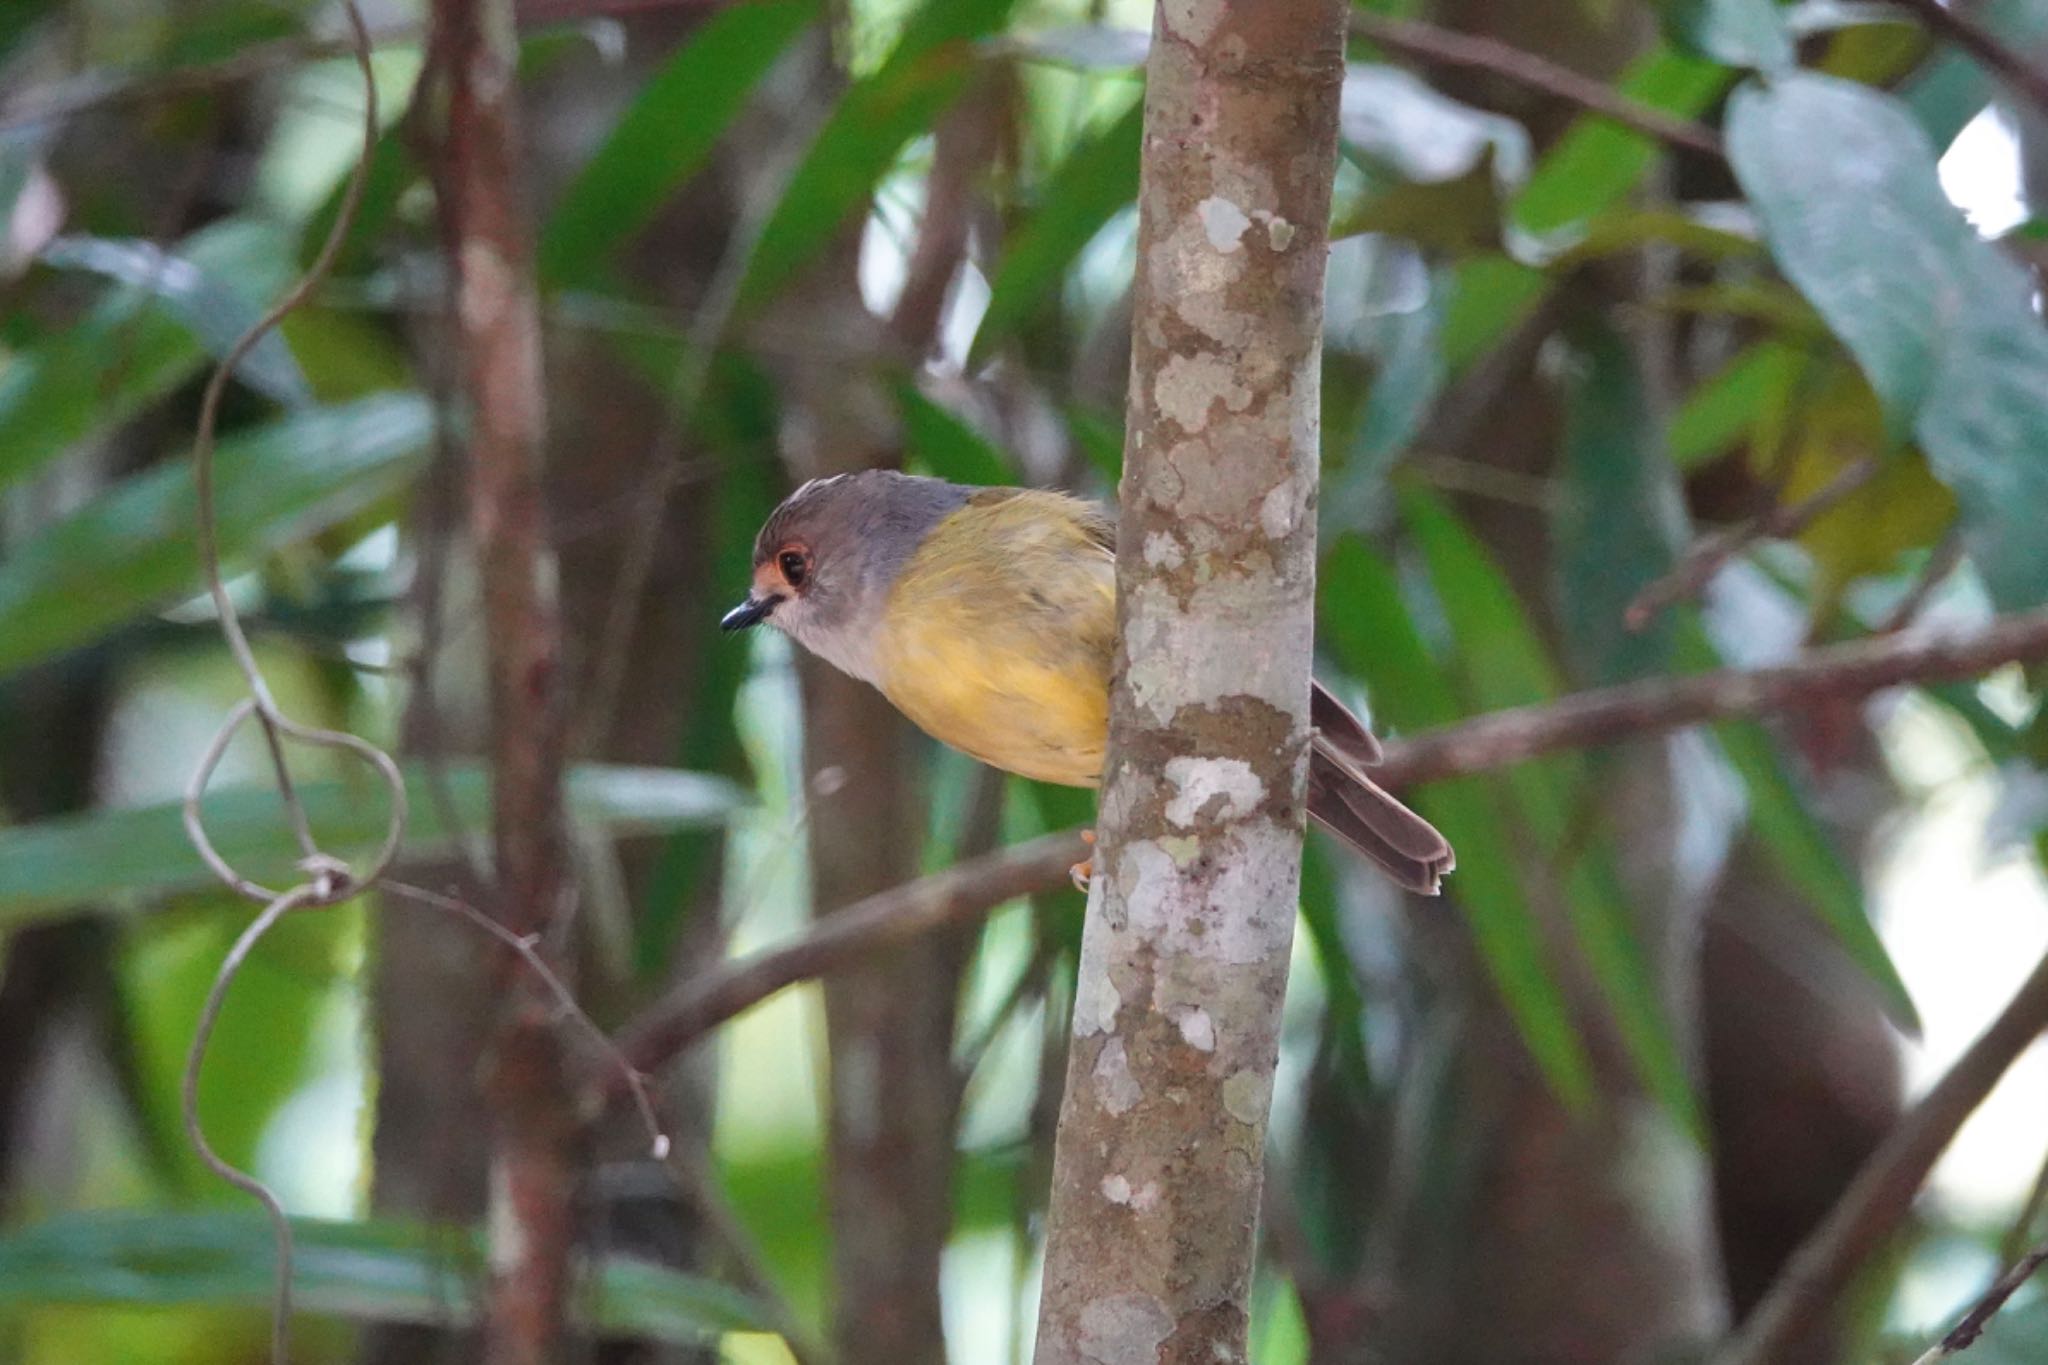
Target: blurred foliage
1717 340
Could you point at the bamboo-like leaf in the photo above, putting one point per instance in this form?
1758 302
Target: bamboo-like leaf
947 445
667 132
1098 178
131 549
114 856
874 120
369 1271
1368 629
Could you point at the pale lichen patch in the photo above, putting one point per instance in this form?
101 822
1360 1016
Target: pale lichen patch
1195 21
1224 222
1197 1030
1096 1002
1124 1329
1187 386
1116 1189
1163 551
1199 781
1279 511
1246 1095
1114 1083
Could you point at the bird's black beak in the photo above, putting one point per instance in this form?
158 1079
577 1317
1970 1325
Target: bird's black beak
751 612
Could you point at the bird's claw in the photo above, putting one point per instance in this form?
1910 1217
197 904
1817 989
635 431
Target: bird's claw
1083 872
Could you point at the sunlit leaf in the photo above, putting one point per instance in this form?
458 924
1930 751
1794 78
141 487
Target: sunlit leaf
1393 120
862 136
378 1272
120 855
1368 629
1098 178
1751 389
667 132
1941 322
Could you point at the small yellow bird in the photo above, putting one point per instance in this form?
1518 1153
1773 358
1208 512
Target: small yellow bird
988 617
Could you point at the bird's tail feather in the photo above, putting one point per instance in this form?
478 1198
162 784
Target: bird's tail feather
1366 816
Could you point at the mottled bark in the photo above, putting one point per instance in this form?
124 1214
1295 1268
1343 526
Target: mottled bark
474 55
1157 1173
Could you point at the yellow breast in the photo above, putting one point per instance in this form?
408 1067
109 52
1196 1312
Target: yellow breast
999 634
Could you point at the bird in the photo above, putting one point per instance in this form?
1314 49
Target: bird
987 616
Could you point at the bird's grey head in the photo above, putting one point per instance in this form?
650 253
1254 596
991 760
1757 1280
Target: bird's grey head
826 558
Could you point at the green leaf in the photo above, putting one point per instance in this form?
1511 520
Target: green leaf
862 136
1804 853
1097 179
116 855
667 133
216 302
1953 87
948 446
1745 33
1394 121
1598 161
1622 519
1748 394
1368 629
131 549
1502 663
1941 322
371 1271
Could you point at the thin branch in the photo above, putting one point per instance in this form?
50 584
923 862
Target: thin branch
1708 554
1444 47
1971 1327
955 896
1942 562
1607 715
1966 31
1870 1211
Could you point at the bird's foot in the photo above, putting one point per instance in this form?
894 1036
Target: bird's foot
1083 872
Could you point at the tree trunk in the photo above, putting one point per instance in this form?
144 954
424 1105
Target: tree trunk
1157 1171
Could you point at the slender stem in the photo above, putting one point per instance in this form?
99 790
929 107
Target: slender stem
1966 1332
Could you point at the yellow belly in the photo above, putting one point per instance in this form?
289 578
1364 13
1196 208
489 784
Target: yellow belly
998 639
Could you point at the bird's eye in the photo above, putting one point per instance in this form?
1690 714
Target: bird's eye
795 564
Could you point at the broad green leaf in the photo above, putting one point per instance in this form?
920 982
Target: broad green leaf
217 303
862 136
1747 394
1745 33
1622 519
1953 88
370 1271
120 855
1395 121
1097 179
948 446
131 549
1489 296
1367 628
1598 161
1795 840
1502 663
1941 322
667 133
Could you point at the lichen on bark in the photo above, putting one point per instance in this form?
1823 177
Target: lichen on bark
1191 917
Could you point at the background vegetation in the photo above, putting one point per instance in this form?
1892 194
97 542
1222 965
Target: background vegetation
1611 275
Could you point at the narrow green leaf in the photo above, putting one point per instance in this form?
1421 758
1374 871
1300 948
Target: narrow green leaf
1748 393
118 855
1941 321
861 138
1745 33
667 133
1502 663
131 549
948 446
1097 179
1368 629
1799 846
370 1271
1622 519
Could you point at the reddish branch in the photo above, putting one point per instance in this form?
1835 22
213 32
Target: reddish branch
473 54
1863 1221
